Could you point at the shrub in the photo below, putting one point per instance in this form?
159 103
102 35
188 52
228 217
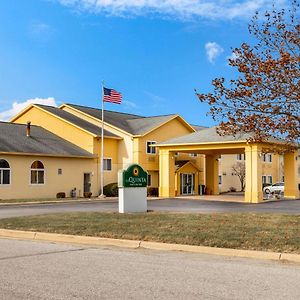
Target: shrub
111 190
87 194
232 189
152 191
61 195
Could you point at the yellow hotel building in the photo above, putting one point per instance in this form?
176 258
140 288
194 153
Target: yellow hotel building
60 151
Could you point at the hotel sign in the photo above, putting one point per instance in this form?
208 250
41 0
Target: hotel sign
135 176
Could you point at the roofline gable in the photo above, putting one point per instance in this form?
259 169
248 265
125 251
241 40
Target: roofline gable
188 163
96 119
171 119
58 117
22 112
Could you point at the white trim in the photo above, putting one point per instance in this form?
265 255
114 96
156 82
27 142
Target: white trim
152 143
192 185
106 158
6 169
38 170
243 157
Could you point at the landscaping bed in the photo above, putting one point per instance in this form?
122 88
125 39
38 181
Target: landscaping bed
266 232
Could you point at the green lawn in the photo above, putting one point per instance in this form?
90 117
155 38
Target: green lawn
269 232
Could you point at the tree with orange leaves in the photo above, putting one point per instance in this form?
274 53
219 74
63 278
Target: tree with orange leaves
265 97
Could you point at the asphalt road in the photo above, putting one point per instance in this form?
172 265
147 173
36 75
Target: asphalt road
171 205
35 270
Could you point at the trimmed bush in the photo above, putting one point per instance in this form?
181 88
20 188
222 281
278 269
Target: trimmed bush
87 194
111 190
61 195
152 191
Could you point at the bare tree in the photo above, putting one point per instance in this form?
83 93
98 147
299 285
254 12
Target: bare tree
239 169
264 99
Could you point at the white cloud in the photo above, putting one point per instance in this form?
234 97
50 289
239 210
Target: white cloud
18 106
40 31
183 9
213 50
129 104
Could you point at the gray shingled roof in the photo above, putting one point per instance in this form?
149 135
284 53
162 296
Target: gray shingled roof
133 124
198 127
76 120
208 135
41 141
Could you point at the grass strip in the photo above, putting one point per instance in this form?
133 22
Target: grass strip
45 200
266 232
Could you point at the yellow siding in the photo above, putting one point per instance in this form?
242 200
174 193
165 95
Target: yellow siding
167 131
73 170
125 146
58 127
110 151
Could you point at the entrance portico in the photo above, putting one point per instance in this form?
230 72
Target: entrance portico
207 142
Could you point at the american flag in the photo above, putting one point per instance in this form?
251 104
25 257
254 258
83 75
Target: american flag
112 96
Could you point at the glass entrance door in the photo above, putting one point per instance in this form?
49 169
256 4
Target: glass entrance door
187 184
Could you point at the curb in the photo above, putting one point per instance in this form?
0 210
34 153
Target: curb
105 200
135 244
58 202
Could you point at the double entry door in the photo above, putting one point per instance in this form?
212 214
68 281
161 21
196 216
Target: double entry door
187 183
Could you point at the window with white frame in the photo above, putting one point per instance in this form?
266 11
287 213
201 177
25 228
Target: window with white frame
220 179
107 164
240 156
270 179
37 173
267 179
149 147
149 180
267 157
4 172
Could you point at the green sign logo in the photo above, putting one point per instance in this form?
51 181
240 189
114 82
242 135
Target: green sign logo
135 176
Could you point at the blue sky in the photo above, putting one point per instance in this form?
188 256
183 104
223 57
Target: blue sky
155 52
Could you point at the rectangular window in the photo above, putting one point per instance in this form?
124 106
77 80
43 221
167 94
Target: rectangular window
107 164
37 177
59 171
220 179
267 157
150 149
149 180
240 156
4 176
264 179
270 179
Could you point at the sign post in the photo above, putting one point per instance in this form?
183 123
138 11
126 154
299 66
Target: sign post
132 185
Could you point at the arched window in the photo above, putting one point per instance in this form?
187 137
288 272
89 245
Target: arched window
37 173
4 172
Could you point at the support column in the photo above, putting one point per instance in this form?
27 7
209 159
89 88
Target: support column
291 190
253 188
166 174
212 173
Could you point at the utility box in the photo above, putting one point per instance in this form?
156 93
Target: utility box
132 184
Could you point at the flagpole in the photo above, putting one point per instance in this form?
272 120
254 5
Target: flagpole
102 143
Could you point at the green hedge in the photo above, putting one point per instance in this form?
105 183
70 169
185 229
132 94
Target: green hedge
111 190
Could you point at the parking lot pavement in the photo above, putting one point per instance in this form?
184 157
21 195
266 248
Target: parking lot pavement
166 205
35 270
